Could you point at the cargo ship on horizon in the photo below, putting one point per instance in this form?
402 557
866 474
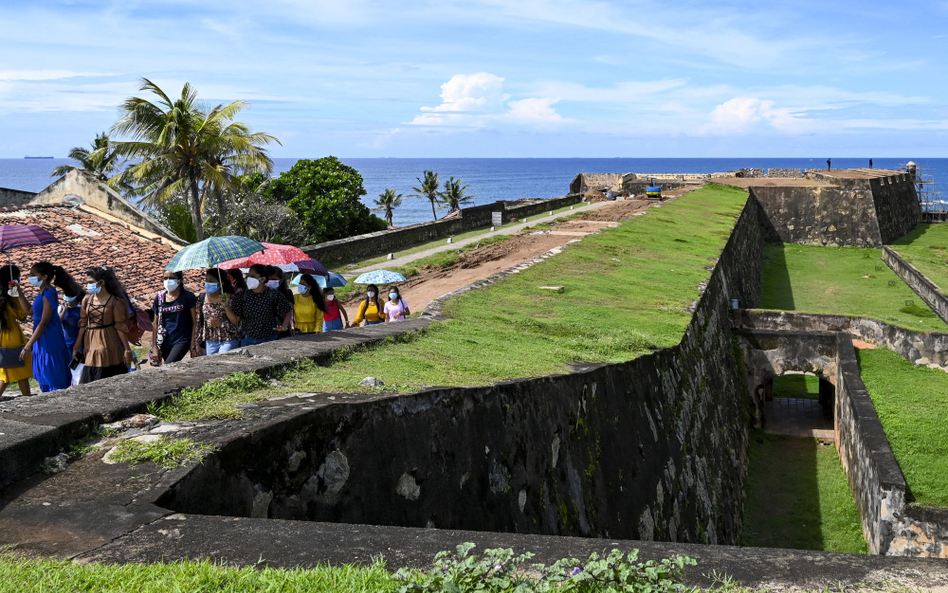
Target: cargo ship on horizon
38 157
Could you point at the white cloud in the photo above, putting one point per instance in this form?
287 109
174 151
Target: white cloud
740 114
11 75
535 110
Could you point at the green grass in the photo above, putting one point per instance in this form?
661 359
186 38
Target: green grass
627 291
213 400
912 403
797 386
841 281
798 497
164 452
926 248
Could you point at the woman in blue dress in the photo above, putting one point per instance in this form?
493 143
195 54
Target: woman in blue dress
47 344
69 314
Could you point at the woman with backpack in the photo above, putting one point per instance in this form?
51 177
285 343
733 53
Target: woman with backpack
396 309
308 306
102 343
13 309
217 324
372 310
263 311
175 321
47 344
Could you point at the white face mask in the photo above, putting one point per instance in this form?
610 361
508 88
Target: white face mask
371 293
171 285
330 297
252 283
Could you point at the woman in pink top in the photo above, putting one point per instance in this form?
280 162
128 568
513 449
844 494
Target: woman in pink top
396 309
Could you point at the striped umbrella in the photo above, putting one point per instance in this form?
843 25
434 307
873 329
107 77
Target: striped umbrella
379 277
212 252
23 235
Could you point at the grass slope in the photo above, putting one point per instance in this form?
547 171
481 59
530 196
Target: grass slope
841 281
627 290
912 403
926 248
798 497
798 386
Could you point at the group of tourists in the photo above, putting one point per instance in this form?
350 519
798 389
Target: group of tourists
89 335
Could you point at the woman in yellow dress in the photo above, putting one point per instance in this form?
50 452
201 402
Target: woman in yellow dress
308 306
13 310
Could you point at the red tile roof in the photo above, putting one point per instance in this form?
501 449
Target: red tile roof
86 241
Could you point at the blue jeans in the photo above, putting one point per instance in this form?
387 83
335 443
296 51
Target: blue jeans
367 322
215 347
248 341
332 325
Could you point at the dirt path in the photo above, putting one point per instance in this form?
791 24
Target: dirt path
481 262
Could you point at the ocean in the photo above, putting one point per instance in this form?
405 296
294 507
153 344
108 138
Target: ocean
499 179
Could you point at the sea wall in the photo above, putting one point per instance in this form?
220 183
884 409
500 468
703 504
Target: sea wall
654 448
390 241
584 182
926 290
15 197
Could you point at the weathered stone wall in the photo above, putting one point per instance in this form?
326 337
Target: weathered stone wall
584 182
654 448
927 290
390 241
785 173
14 197
897 207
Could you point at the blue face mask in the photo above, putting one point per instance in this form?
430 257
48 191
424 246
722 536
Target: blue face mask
211 287
93 288
274 284
34 280
302 289
70 299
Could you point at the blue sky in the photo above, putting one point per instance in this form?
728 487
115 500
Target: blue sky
518 78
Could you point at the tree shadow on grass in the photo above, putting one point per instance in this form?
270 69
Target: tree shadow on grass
776 288
782 509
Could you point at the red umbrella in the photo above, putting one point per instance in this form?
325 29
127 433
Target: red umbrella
23 235
279 255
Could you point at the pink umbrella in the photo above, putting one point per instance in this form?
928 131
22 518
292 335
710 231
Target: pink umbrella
279 255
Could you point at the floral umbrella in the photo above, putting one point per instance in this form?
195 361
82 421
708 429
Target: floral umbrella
280 255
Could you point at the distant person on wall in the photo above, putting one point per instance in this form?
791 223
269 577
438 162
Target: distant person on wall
829 164
70 314
335 312
13 309
237 280
396 309
276 280
175 321
217 324
870 163
309 306
47 344
371 310
263 311
102 343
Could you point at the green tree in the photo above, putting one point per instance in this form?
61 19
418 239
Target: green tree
252 213
454 195
387 202
324 195
428 188
102 161
183 149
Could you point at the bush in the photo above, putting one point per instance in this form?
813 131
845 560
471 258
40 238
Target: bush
324 195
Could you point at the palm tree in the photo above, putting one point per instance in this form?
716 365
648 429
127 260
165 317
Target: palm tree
388 201
454 197
428 188
186 150
102 161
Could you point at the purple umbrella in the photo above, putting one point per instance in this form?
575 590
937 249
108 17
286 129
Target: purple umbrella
311 266
23 235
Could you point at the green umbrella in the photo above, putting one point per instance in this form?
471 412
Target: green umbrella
211 252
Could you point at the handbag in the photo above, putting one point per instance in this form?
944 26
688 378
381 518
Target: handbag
10 358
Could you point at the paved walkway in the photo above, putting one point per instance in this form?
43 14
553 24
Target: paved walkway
510 230
797 417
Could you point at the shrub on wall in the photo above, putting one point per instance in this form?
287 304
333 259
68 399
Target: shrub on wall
324 195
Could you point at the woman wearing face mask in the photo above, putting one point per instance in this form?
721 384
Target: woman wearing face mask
334 313
175 316
47 344
103 336
217 324
263 311
396 309
308 306
372 310
276 280
236 280
69 314
13 309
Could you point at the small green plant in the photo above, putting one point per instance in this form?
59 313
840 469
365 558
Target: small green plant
85 445
164 452
499 570
213 400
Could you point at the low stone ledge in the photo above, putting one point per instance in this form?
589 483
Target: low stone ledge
926 290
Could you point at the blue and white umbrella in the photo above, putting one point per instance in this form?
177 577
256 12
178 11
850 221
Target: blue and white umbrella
380 277
333 281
